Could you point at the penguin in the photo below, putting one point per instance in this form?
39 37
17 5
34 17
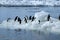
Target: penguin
39 21
33 18
59 17
25 19
8 19
19 20
30 17
16 18
48 18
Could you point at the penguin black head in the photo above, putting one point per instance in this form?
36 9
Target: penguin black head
8 19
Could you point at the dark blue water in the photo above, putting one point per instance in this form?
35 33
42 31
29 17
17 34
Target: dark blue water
6 12
6 34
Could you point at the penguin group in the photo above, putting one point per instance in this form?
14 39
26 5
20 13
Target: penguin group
32 18
26 18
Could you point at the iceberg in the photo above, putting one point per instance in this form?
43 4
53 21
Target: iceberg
46 30
52 26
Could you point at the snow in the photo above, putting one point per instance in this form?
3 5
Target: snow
42 16
52 26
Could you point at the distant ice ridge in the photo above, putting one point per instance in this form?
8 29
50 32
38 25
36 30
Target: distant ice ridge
30 2
47 26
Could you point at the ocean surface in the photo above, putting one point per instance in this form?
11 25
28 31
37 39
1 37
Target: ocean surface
11 12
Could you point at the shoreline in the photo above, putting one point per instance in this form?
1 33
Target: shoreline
29 6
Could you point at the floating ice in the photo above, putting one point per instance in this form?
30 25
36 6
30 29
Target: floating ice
52 26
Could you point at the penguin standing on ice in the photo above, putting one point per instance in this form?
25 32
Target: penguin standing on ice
39 21
19 20
16 18
30 17
25 19
33 18
59 17
48 18
8 19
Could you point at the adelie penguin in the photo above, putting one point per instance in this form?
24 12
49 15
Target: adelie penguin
33 18
59 17
16 18
39 21
48 18
30 17
25 19
8 19
19 20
